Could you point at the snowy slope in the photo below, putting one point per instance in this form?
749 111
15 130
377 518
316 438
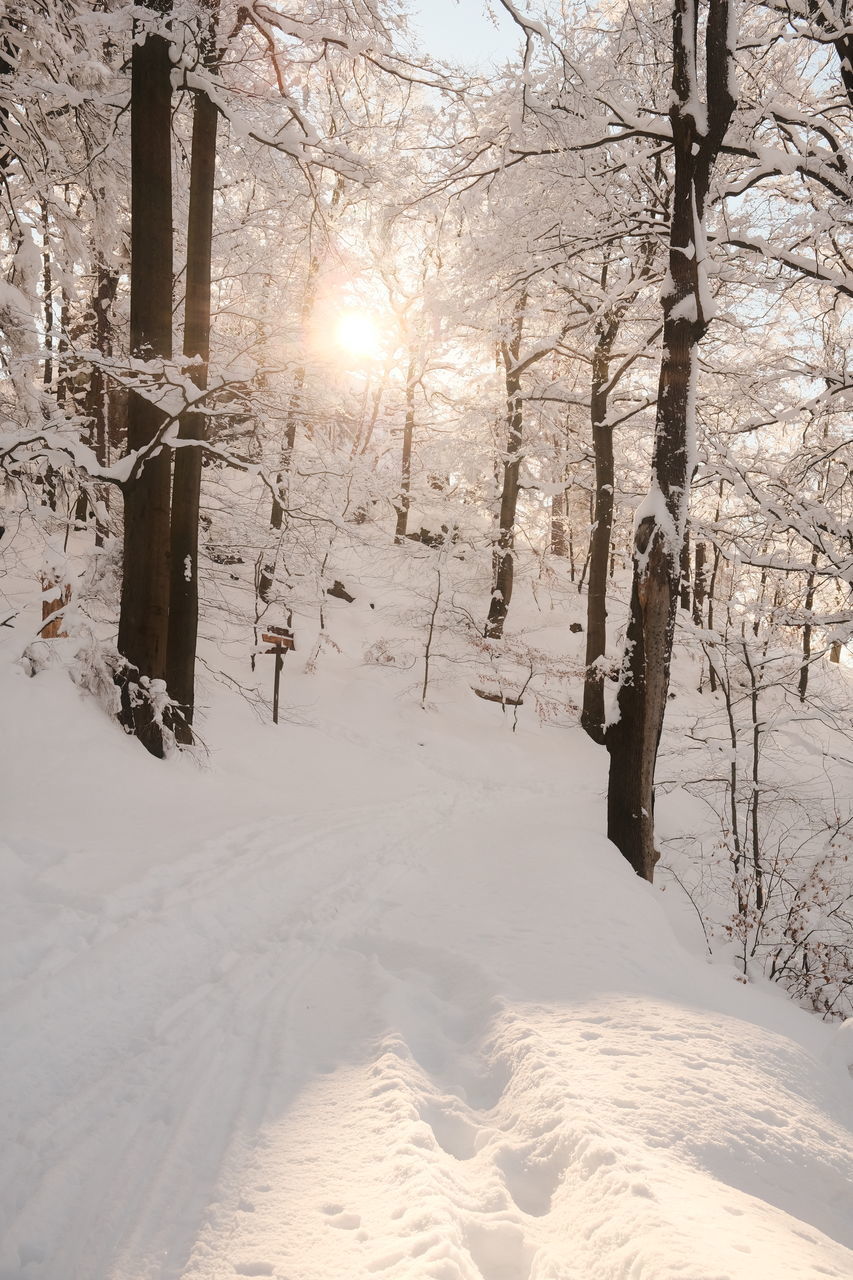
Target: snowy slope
371 996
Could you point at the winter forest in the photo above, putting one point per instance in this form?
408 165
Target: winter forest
426 639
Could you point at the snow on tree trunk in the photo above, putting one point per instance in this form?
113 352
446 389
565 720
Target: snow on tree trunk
143 623
504 558
697 135
404 496
592 713
183 592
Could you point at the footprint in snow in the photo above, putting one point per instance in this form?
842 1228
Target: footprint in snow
440 1006
531 1180
453 1133
337 1216
499 1250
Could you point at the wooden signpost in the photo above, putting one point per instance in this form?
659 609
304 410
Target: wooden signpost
281 639
55 598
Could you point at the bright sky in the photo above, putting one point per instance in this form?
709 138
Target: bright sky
463 30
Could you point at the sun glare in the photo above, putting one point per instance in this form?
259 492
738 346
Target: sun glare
356 332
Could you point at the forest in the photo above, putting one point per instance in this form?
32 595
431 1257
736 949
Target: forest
494 409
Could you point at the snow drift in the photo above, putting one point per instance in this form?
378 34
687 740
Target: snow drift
372 997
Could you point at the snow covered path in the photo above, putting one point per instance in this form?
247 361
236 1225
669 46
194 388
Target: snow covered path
435 1036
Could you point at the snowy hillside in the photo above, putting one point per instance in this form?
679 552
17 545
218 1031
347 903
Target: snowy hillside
501 406
370 995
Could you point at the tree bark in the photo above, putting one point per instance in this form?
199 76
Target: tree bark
684 583
186 489
699 584
8 62
143 623
97 396
633 739
267 571
807 630
47 290
600 549
404 498
97 406
503 554
558 539
712 590
592 712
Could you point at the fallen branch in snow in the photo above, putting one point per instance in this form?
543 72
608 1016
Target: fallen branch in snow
505 699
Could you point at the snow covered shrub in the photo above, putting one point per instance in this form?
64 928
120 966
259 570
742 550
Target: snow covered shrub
388 653
146 709
96 668
99 583
814 958
774 875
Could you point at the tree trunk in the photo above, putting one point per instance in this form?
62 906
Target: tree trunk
699 584
186 490
807 630
558 540
47 291
503 564
64 381
592 712
712 590
267 571
143 623
633 740
97 396
266 576
365 434
601 535
8 62
404 498
684 583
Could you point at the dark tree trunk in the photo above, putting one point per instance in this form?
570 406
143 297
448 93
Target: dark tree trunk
600 544
712 590
592 713
559 540
267 572
807 630
699 584
8 62
762 592
503 559
47 290
143 623
404 498
712 595
834 18
95 400
64 382
51 476
98 399
684 581
186 490
633 739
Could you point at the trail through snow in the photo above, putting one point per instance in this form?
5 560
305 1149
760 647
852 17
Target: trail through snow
389 1008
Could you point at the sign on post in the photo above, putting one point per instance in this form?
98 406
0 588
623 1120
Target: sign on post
281 639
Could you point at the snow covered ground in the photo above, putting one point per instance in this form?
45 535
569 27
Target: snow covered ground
369 995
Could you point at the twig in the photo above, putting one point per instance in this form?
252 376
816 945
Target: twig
429 638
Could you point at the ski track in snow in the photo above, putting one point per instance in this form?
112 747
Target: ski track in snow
215 961
318 1049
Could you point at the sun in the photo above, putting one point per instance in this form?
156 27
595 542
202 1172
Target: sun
357 333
